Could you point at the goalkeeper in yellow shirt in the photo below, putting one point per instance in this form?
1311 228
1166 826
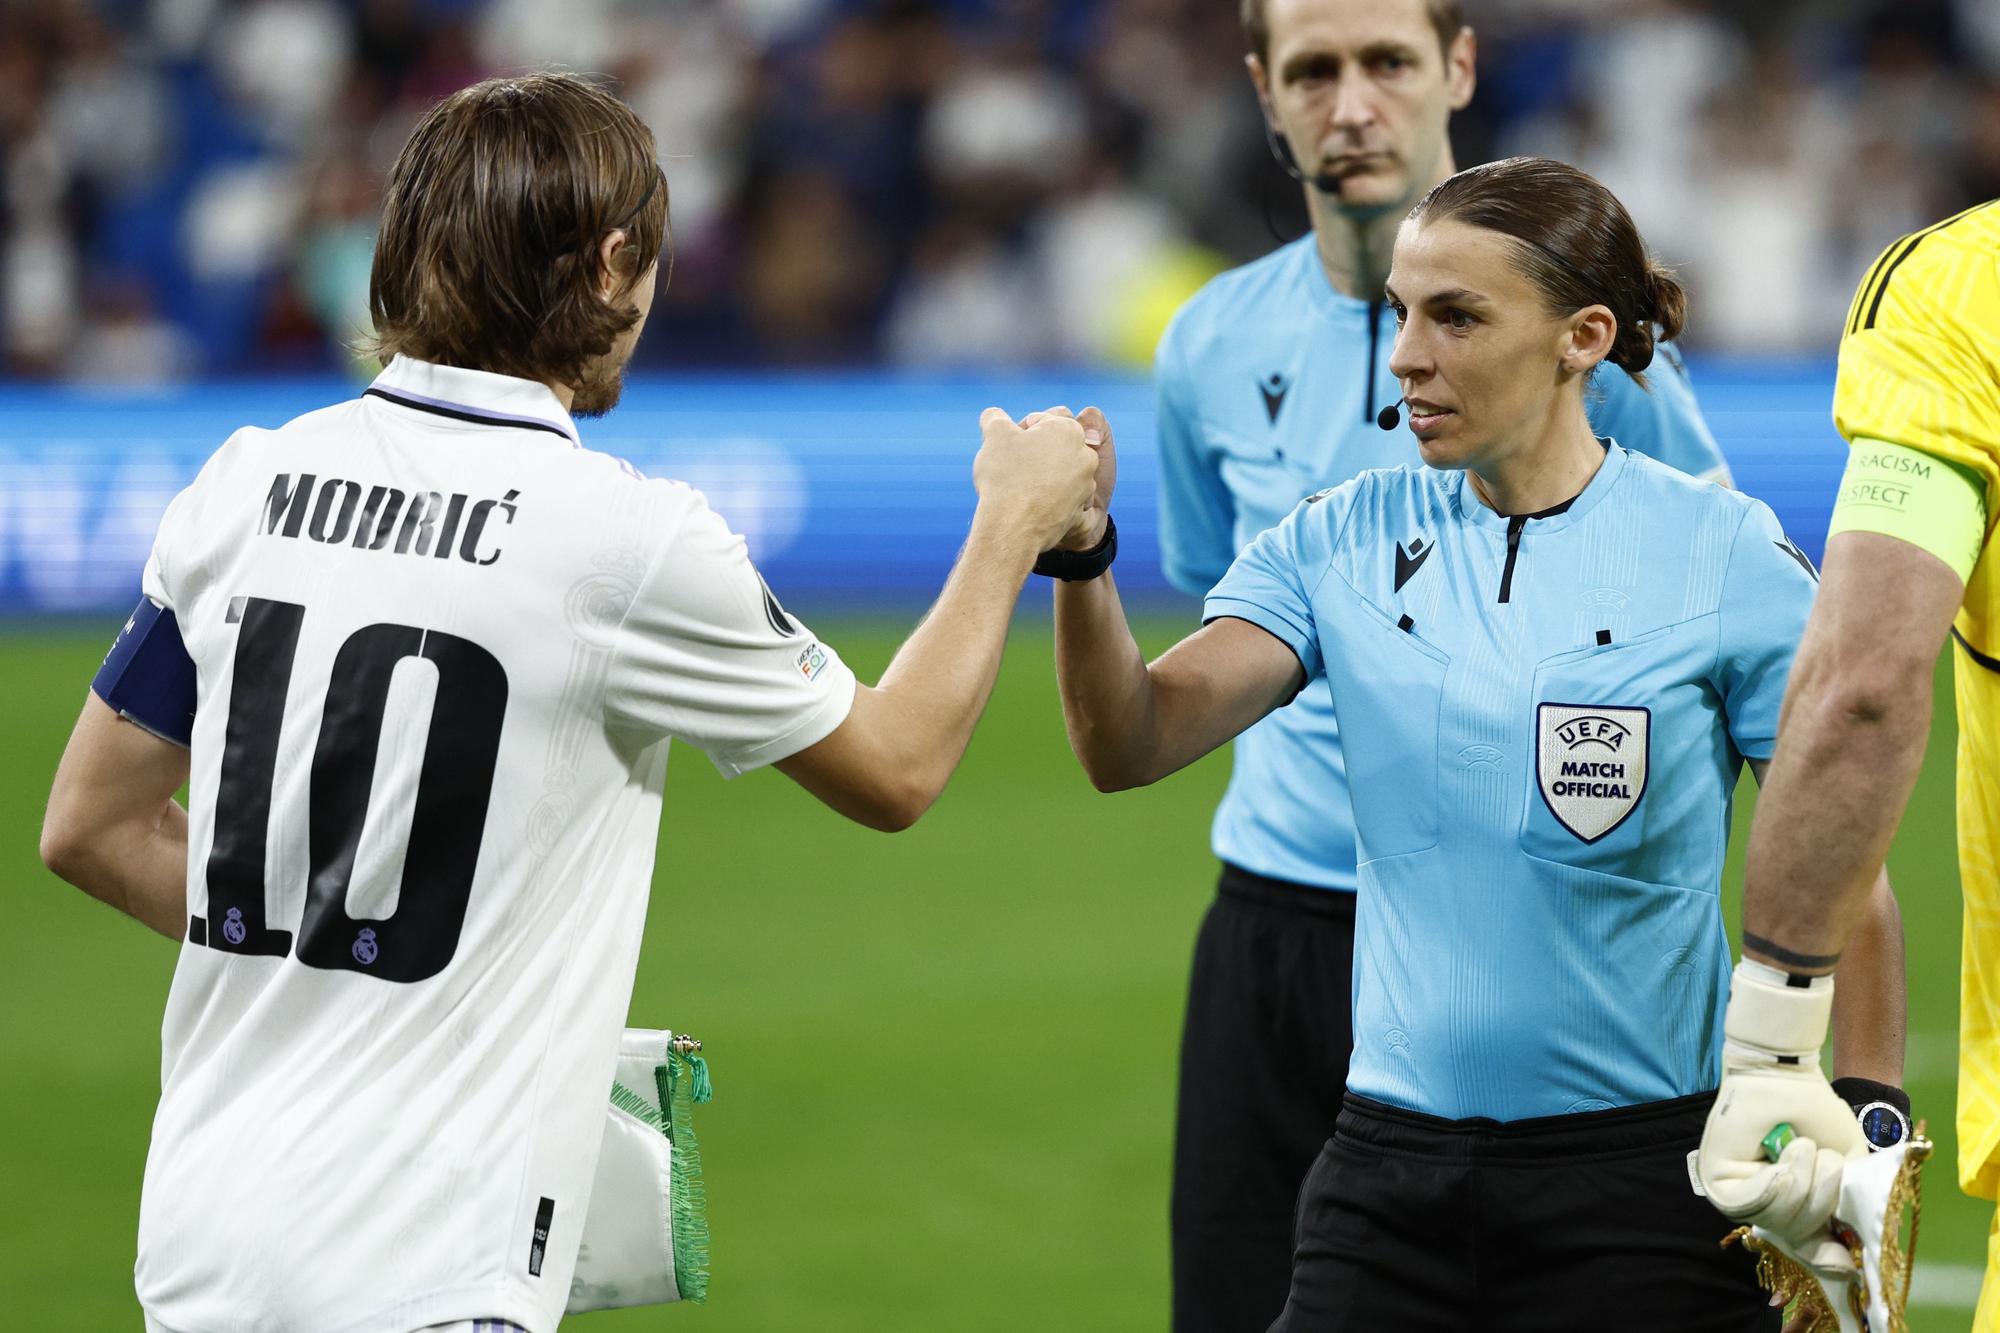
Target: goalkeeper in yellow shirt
1911 557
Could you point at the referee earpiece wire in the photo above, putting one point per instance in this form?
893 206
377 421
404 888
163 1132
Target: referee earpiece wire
1326 183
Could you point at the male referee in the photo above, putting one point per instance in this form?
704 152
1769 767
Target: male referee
1912 563
1273 382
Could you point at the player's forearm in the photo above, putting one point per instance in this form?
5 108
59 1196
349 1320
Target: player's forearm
138 866
1857 714
941 678
1870 998
1836 793
1109 705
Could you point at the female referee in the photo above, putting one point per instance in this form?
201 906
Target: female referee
1549 658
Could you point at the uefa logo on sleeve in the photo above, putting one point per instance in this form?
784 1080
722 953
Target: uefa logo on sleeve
1590 762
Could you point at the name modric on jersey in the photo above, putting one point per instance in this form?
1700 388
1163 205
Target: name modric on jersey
337 511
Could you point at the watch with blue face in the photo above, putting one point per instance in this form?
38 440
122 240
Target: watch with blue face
1882 1108
1883 1125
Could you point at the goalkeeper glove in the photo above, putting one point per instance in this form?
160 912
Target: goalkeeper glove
1751 1167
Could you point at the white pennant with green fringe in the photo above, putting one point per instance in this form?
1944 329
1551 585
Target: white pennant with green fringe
645 1238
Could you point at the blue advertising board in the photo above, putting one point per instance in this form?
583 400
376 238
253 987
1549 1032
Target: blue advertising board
852 490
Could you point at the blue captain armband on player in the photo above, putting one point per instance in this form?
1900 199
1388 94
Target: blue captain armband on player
147 677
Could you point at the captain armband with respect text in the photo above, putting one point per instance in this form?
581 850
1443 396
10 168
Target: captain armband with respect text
1915 497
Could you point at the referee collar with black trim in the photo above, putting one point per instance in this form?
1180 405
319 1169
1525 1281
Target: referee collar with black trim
1474 511
476 396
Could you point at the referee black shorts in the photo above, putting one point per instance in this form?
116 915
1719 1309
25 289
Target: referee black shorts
1263 1069
1576 1222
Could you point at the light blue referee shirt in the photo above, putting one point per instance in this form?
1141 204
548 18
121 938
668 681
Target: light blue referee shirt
1544 719
1268 383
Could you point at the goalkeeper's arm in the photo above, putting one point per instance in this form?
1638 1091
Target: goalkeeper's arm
1858 707
1856 716
1871 1006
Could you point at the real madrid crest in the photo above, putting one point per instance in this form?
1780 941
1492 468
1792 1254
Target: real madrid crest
1590 762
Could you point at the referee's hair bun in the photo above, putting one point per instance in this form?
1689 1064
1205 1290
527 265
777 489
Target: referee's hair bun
1656 316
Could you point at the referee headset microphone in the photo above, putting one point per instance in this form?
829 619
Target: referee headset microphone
1326 182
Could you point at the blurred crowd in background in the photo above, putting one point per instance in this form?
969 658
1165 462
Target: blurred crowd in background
192 186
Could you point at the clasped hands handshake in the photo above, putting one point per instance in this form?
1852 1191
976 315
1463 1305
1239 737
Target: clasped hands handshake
1049 476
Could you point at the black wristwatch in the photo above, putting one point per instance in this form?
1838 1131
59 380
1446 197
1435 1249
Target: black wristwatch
1079 566
1883 1110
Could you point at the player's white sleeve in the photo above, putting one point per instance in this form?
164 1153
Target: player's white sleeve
706 654
153 580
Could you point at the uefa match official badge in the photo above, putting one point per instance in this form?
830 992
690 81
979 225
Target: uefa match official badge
1590 762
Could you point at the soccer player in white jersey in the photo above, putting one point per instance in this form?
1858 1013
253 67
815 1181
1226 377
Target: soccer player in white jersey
417 657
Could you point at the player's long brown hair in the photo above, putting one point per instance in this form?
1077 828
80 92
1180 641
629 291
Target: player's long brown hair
1575 242
488 254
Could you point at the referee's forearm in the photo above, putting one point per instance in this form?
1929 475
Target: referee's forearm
1107 695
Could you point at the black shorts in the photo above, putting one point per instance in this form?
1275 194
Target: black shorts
1263 1070
1574 1222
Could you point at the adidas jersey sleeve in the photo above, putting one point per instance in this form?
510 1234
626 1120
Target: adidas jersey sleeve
154 580
706 654
1920 360
1268 584
1662 419
1767 592
1197 512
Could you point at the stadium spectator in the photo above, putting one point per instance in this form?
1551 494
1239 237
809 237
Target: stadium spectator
111 131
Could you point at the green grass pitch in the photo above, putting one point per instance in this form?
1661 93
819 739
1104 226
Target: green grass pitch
944 1061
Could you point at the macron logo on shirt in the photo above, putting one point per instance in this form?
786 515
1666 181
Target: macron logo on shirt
1408 563
1274 389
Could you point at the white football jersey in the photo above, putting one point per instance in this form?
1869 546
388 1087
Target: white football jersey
440 648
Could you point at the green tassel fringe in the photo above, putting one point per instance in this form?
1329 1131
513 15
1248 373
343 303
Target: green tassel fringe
683 1080
632 1104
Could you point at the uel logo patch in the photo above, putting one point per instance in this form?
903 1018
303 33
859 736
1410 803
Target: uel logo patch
1274 387
1407 564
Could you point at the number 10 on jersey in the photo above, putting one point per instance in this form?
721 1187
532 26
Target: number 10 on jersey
419 938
